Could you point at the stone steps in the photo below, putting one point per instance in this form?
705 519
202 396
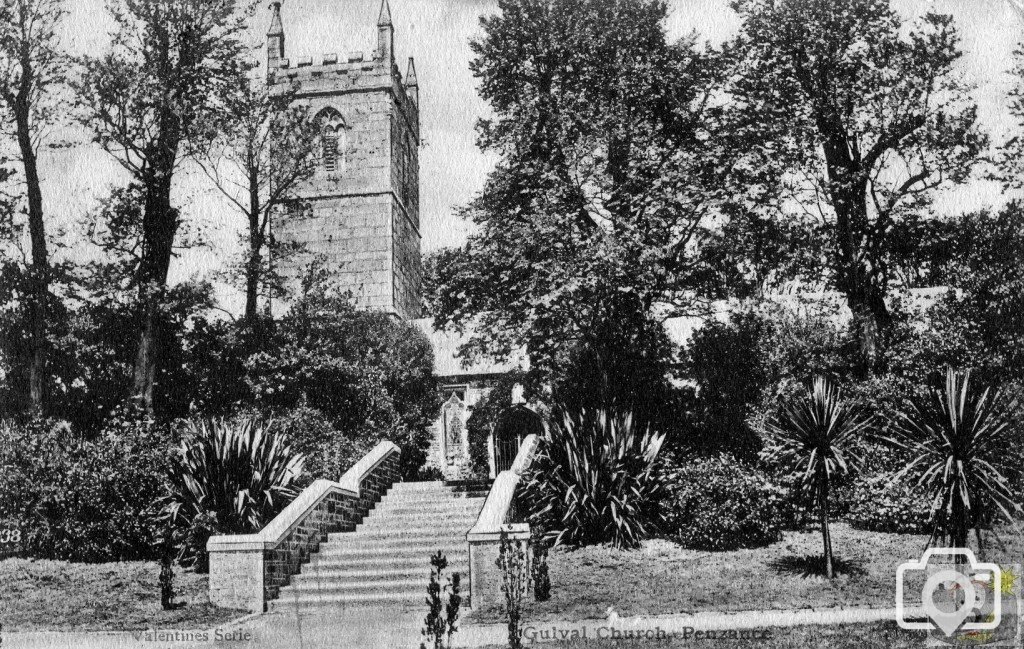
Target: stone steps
413 561
385 561
376 602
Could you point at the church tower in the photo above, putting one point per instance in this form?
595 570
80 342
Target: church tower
359 214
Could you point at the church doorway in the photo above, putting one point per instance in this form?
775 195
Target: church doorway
515 425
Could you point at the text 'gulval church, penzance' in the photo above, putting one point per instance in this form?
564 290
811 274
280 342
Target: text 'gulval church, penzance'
360 214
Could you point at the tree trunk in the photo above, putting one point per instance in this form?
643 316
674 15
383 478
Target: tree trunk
160 224
826 535
860 272
39 272
254 264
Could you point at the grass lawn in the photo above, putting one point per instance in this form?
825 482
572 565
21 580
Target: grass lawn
663 577
852 636
61 596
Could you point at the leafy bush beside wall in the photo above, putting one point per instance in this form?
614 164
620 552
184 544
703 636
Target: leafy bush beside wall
329 452
485 416
369 375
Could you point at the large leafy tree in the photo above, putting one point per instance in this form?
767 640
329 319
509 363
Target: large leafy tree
172 64
611 171
32 70
869 116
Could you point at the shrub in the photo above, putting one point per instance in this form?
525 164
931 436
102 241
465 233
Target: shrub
881 505
594 479
329 452
514 565
442 612
227 478
84 500
721 503
725 362
626 360
745 366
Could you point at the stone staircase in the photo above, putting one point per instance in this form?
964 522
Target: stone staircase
385 562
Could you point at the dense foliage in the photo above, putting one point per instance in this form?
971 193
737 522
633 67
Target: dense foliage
227 478
612 161
868 117
720 503
84 500
595 479
895 507
370 375
485 416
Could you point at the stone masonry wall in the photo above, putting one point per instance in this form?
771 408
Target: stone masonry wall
351 235
407 266
336 513
362 219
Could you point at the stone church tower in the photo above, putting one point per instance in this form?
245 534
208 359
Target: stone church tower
359 214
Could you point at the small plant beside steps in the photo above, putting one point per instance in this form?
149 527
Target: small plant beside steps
442 612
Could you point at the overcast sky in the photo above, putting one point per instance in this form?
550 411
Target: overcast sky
437 33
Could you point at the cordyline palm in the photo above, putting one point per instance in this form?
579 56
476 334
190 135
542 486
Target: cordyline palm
594 479
815 437
960 438
235 475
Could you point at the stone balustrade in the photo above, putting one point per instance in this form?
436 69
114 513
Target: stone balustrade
248 570
498 515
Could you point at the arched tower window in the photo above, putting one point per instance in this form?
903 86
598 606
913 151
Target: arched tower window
408 175
332 139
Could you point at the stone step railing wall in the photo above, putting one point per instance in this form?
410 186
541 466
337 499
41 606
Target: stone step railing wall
498 515
248 570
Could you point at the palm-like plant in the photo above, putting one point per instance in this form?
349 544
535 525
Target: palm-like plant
228 478
594 479
960 439
814 438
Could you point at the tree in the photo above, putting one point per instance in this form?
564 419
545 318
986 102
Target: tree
263 146
370 375
611 169
815 439
32 67
172 65
869 116
1011 158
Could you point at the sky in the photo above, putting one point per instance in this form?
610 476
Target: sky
437 34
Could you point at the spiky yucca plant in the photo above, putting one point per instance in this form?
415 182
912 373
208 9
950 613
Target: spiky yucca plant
228 477
814 437
964 457
594 479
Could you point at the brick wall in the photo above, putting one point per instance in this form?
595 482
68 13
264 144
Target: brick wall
335 513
